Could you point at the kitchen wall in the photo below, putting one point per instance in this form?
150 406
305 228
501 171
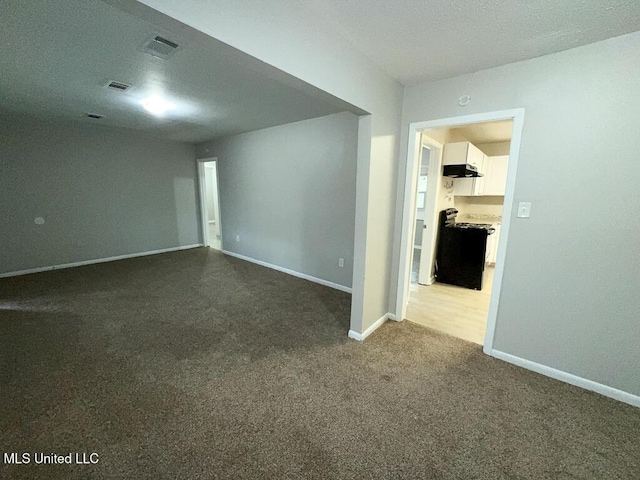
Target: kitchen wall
569 298
494 149
482 205
289 193
102 192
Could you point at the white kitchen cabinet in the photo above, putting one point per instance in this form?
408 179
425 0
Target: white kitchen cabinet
492 246
470 187
495 180
458 153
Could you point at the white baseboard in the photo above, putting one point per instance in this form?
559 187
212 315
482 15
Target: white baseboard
304 276
97 260
361 336
568 378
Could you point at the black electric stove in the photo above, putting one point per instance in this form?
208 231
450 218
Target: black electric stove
461 251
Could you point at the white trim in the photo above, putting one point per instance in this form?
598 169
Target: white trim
97 260
204 213
361 336
512 168
409 212
430 233
568 378
406 240
304 276
203 203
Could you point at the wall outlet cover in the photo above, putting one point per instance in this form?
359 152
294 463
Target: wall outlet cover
524 209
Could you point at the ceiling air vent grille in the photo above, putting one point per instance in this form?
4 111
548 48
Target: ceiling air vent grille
160 47
123 87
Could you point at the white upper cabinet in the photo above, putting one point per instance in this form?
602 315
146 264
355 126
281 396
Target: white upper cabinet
493 170
495 180
458 153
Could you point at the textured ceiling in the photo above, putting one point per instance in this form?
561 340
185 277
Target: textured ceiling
486 132
418 40
56 56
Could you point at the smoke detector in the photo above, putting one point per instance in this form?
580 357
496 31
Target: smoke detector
122 87
160 47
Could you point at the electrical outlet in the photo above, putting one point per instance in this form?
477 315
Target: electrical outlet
341 262
524 210
237 238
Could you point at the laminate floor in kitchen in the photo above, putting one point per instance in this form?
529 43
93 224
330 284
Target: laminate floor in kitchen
457 311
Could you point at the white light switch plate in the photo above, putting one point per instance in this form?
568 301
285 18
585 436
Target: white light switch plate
524 209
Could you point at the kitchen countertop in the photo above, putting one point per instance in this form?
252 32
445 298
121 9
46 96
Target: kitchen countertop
480 218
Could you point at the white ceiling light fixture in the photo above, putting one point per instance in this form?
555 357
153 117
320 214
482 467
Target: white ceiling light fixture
157 105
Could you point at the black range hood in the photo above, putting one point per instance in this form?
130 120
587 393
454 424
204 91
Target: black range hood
461 171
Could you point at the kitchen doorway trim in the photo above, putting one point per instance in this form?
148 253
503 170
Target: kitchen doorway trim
409 205
204 220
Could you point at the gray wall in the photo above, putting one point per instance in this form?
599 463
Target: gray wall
289 193
570 290
102 191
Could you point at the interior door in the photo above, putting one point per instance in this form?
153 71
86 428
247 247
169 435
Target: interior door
424 272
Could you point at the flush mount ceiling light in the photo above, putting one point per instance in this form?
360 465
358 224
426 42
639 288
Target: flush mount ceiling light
157 105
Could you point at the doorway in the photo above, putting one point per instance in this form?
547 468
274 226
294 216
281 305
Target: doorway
425 294
210 203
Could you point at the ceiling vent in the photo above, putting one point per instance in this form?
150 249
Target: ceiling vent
94 115
122 87
160 47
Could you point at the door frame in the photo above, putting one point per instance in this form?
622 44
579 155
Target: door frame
409 205
204 212
429 236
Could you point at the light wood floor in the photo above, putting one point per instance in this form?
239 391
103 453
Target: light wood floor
458 311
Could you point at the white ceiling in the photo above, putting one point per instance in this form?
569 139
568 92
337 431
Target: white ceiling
486 132
56 56
418 40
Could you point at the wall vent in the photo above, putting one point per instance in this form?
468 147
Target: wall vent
123 87
160 47
94 115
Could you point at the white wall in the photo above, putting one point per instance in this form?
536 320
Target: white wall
494 149
102 191
289 193
284 35
570 288
481 205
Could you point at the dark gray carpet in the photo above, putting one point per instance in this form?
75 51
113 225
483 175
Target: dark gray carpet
196 365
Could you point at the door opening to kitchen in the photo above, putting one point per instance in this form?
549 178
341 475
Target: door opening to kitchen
210 204
459 199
